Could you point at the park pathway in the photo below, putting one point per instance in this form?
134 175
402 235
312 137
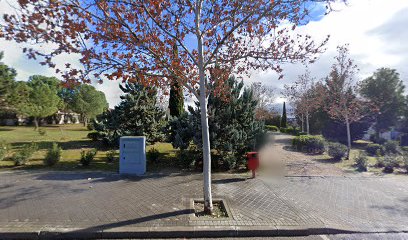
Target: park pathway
279 159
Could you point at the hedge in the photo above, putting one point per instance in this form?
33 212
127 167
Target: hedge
309 144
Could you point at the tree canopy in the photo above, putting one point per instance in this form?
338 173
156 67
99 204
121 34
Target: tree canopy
7 78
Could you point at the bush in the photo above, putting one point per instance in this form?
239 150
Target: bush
22 156
377 140
404 148
379 162
42 131
374 149
361 162
110 156
188 158
391 147
404 139
53 155
337 150
301 133
308 143
87 156
94 136
390 162
272 128
405 162
153 155
4 149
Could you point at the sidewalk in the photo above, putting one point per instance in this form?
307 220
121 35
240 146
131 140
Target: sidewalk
40 204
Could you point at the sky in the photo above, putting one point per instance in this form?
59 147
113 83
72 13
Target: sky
374 29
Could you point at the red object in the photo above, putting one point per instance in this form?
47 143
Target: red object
253 162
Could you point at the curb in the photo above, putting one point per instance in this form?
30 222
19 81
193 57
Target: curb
175 232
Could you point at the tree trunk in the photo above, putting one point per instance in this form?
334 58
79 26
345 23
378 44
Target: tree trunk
303 129
85 121
348 138
35 123
307 123
208 205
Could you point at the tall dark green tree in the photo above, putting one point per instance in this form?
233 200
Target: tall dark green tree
7 79
284 119
233 127
138 114
386 90
176 100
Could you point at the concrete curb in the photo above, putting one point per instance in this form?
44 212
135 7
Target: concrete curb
175 232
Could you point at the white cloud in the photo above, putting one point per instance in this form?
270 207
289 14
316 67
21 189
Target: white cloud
375 30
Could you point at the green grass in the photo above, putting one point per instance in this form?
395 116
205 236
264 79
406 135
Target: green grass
72 139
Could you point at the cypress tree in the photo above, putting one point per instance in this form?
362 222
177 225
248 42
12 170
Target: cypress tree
284 117
176 100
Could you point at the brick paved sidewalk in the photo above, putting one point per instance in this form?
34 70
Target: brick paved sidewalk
38 202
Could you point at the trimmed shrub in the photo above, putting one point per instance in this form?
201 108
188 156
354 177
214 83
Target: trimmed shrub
153 155
22 156
379 162
390 162
361 162
94 136
336 150
374 149
4 150
110 156
87 156
301 133
308 143
272 128
391 147
53 155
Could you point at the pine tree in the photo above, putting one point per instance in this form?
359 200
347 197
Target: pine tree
137 115
233 127
176 100
284 119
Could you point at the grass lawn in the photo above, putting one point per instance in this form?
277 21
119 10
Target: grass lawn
72 138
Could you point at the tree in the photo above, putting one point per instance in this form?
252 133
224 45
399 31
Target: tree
385 89
284 119
136 115
133 41
7 79
176 100
88 102
338 95
234 129
37 97
265 96
301 94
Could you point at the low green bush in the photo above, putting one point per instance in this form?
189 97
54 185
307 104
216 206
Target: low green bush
110 156
4 150
272 128
22 156
53 155
290 130
336 150
153 155
390 162
87 156
310 144
374 149
405 161
301 133
186 159
94 136
361 162
404 148
391 147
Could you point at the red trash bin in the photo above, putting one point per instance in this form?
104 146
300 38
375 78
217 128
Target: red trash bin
253 162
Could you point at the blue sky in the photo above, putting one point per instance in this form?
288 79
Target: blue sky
375 30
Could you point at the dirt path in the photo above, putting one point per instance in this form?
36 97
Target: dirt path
279 158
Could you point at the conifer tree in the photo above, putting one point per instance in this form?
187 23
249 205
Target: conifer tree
284 117
176 100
